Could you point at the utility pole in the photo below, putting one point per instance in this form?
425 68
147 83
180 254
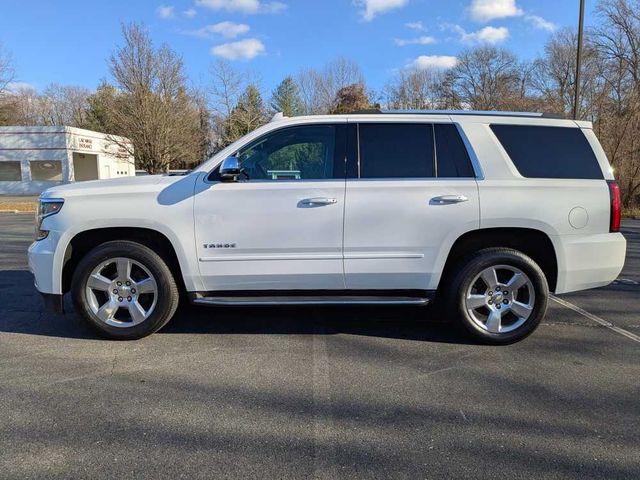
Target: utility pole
578 61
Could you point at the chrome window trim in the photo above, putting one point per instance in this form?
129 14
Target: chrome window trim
279 182
270 132
417 179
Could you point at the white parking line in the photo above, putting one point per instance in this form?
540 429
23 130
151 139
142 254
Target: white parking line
596 319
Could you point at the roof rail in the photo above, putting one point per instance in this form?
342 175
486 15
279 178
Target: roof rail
461 112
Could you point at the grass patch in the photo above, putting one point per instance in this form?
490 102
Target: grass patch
26 206
631 212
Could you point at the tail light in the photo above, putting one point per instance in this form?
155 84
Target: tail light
616 206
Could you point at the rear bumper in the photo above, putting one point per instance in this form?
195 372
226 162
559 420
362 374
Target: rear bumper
588 261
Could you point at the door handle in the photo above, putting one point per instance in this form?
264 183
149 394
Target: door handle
318 202
447 199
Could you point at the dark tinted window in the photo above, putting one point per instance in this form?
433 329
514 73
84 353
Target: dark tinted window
394 150
10 172
453 159
548 152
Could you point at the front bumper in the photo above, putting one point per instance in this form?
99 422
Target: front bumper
41 256
46 271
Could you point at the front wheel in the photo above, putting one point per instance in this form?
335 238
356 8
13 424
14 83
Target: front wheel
499 295
124 290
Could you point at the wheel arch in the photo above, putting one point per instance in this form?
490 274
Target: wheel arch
83 242
533 243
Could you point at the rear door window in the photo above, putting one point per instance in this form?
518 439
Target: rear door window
396 150
549 152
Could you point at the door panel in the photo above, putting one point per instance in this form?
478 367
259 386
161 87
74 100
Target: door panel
281 227
395 234
400 218
261 236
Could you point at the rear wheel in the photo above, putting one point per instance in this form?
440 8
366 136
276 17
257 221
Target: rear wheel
124 290
499 295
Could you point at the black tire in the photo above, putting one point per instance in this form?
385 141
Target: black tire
468 270
167 297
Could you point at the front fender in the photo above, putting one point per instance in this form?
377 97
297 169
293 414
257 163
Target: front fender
174 220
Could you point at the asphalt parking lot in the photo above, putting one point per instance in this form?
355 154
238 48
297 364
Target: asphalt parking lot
318 393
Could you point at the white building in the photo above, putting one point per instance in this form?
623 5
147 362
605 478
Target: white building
33 159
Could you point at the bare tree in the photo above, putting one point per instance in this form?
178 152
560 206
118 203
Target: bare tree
554 75
7 70
153 107
416 89
619 34
7 75
63 105
617 40
308 81
23 107
227 86
336 75
487 78
318 88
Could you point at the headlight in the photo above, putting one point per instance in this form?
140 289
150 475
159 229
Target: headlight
46 208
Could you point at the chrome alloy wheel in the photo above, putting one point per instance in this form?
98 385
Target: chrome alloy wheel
121 292
500 299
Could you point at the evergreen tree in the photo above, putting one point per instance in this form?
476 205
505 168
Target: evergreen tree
249 114
99 110
286 98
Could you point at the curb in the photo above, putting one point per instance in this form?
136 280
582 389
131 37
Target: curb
10 211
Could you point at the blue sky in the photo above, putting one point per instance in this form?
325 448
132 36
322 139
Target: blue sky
69 41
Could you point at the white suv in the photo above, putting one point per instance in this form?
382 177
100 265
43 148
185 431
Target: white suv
484 212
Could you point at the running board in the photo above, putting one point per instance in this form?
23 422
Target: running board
309 300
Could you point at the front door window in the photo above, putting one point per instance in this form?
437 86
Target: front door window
295 153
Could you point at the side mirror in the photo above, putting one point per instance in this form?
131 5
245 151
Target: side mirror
230 169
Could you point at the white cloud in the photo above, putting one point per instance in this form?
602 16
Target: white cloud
425 62
225 29
423 40
243 6
241 50
540 23
372 8
415 26
490 35
486 10
165 11
190 12
17 87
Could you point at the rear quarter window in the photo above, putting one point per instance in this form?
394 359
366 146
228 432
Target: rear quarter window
453 159
549 152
